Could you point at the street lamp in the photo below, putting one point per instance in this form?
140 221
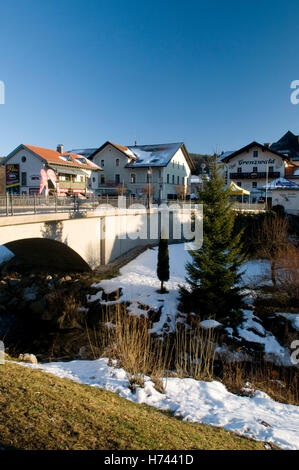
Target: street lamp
267 179
149 174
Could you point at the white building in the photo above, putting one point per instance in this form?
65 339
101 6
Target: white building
162 170
284 193
25 164
253 166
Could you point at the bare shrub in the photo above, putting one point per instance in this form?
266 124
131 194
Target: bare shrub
271 238
287 273
194 352
280 383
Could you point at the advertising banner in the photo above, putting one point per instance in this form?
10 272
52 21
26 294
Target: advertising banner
12 175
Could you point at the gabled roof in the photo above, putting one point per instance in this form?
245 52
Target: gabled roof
153 155
157 155
56 158
249 146
125 150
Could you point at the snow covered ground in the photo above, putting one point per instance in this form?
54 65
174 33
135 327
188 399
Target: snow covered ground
5 254
258 417
139 283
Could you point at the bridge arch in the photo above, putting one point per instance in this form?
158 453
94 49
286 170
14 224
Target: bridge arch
47 253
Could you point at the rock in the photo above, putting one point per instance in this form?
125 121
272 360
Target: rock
38 307
4 297
14 282
29 294
31 358
14 301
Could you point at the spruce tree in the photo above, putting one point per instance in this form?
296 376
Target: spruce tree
163 263
213 274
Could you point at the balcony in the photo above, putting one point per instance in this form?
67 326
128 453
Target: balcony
254 175
72 184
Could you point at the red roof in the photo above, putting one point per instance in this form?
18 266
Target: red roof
56 158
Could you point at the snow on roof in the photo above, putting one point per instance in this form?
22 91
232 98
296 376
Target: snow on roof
225 154
83 152
281 183
153 155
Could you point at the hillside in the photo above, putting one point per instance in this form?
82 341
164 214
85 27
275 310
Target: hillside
40 411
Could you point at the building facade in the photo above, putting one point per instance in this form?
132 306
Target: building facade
163 170
252 167
27 165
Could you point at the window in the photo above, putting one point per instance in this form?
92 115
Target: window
102 179
102 163
172 179
271 169
117 179
254 184
24 178
183 180
178 180
93 179
23 159
117 162
239 170
239 183
133 178
167 179
173 163
255 169
255 153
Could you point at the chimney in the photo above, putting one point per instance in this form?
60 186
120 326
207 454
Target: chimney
267 144
60 148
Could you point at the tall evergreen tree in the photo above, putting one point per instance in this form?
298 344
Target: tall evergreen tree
214 272
163 262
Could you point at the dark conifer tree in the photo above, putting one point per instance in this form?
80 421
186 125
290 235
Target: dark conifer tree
163 262
214 272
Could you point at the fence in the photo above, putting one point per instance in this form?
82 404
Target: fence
11 204
242 206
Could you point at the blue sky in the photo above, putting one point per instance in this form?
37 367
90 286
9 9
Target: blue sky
215 75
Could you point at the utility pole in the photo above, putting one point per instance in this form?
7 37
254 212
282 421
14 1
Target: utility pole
149 173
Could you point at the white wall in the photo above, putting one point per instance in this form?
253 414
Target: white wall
247 162
177 167
32 167
288 199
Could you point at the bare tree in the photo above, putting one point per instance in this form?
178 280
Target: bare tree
121 189
287 272
271 239
180 191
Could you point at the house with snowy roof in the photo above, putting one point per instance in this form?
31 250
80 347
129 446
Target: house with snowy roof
253 166
284 193
164 168
27 166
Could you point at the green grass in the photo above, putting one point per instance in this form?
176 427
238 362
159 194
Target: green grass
41 411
